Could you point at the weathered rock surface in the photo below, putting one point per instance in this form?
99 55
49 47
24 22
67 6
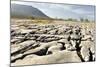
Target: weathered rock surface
43 44
58 57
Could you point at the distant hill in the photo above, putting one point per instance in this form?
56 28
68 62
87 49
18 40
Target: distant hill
25 11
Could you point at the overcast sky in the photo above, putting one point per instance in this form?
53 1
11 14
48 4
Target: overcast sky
63 10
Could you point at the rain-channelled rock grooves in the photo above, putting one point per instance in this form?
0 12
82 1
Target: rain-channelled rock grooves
48 40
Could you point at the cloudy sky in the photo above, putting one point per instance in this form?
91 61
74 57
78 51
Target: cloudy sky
63 10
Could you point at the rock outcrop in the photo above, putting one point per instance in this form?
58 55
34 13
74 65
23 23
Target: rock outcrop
43 44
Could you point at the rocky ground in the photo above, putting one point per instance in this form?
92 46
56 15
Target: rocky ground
60 42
